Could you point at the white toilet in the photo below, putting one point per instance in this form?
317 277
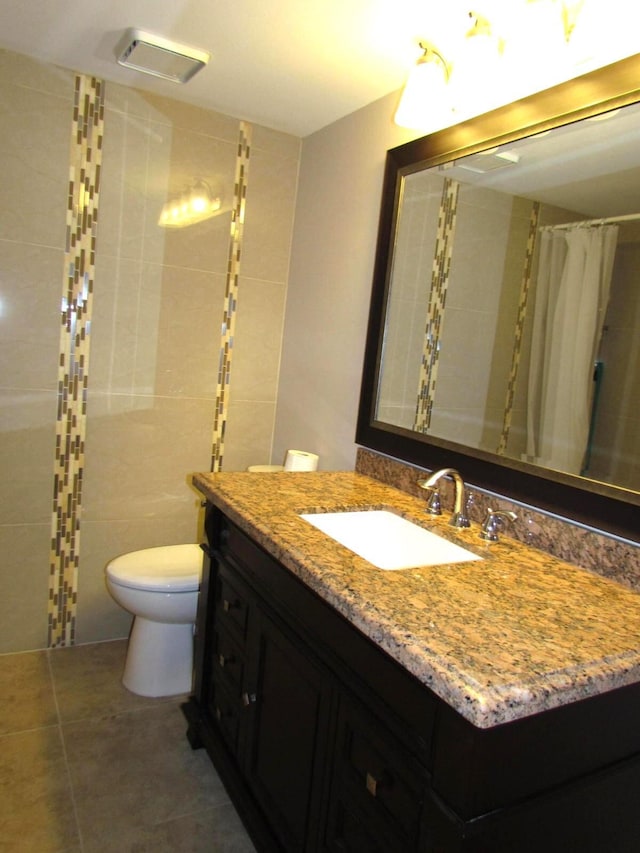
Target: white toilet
160 587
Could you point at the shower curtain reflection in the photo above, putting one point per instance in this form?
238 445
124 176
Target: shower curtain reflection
572 291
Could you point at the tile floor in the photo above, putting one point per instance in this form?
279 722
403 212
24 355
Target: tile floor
87 767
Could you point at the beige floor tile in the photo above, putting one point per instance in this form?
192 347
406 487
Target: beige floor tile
215 830
36 809
87 682
136 770
27 693
116 776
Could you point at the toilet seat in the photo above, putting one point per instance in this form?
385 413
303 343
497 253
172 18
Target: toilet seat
169 568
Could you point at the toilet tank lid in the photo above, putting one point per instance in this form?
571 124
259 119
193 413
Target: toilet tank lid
170 567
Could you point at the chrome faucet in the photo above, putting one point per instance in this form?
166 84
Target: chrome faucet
459 517
493 521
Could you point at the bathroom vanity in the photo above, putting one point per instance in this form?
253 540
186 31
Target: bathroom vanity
489 705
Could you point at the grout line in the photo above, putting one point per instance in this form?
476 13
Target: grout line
64 752
19 732
201 810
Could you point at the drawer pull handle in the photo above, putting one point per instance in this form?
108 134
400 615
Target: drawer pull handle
218 713
228 605
248 699
372 784
223 661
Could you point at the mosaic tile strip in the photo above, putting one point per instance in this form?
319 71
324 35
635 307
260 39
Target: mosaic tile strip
77 290
519 331
437 298
231 296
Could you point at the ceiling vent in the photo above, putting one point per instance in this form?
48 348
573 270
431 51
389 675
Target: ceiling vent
159 56
488 161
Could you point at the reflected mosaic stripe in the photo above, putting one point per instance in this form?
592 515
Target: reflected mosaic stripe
231 295
437 298
519 331
77 291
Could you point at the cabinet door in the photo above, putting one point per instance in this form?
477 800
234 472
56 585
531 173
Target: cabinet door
289 695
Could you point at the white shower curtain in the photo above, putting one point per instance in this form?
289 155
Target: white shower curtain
572 291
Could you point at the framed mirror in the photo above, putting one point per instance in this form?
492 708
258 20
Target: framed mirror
504 329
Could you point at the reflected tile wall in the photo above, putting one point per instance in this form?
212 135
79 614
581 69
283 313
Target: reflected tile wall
155 331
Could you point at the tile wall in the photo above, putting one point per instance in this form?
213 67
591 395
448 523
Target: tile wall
153 335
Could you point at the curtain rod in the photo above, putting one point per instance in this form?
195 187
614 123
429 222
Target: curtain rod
630 217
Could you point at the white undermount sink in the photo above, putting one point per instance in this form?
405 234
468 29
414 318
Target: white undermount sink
387 540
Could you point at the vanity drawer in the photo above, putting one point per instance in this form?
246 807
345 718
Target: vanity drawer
227 662
377 788
232 604
226 711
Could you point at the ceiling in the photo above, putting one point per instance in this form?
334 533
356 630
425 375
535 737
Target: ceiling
293 65
591 167
299 65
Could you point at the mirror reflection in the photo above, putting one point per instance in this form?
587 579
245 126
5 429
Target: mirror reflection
512 322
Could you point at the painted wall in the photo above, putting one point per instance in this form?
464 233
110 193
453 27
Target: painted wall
153 335
330 283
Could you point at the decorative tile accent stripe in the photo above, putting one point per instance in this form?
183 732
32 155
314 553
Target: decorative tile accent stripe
231 296
437 299
520 321
77 290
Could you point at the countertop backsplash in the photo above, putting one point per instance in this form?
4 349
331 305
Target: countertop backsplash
590 549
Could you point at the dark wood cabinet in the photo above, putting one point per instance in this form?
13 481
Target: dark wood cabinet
326 744
377 786
288 719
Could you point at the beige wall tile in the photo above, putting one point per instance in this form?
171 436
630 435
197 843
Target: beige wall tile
155 329
124 328
256 352
30 296
189 324
154 335
139 454
27 73
271 197
145 164
251 425
128 144
34 165
189 117
282 144
191 156
27 444
24 586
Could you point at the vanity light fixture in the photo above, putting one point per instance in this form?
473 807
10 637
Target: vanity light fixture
476 66
196 204
425 89
490 62
159 56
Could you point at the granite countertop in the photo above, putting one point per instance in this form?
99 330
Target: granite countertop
498 639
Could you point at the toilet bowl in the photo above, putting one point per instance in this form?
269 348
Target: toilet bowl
159 586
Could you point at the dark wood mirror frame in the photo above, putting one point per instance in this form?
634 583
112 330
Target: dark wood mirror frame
608 508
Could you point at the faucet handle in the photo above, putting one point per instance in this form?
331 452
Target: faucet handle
433 501
460 519
492 522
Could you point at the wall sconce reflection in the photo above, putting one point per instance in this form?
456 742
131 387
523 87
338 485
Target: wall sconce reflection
196 204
